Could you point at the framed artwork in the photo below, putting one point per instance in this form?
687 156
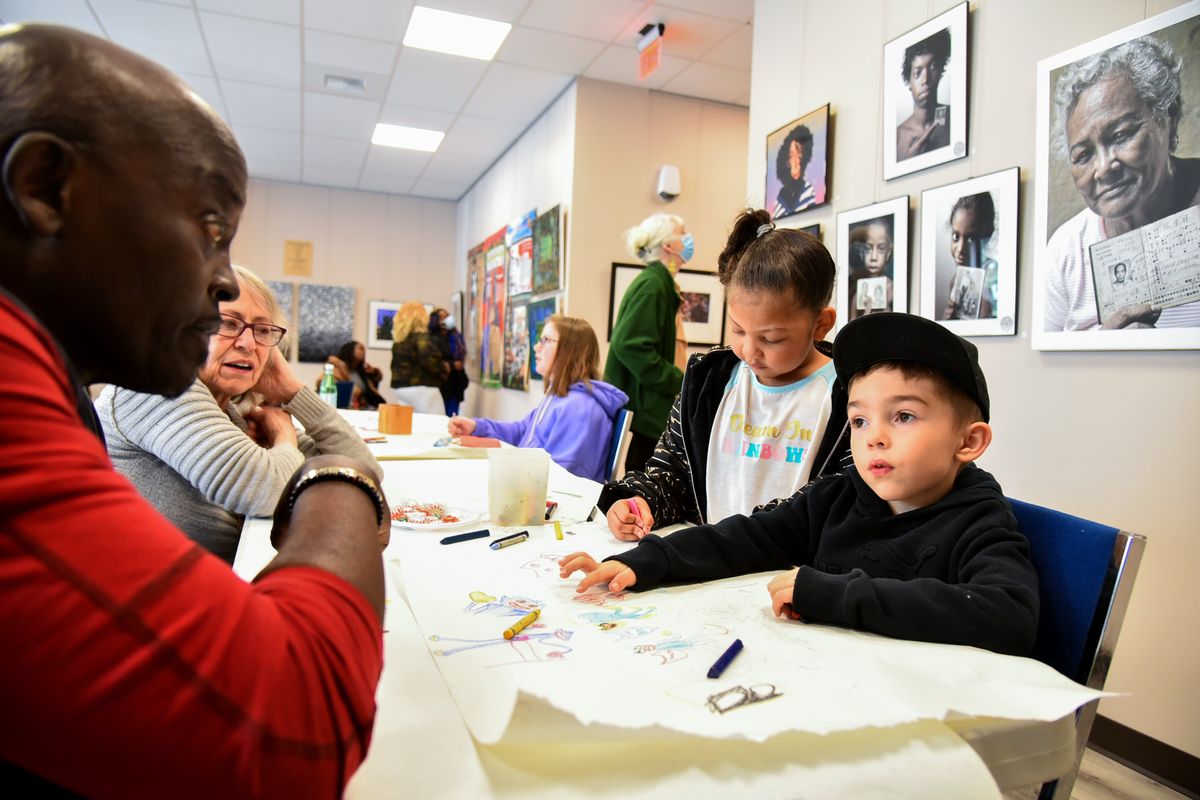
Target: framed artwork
285 295
326 320
519 239
872 259
1101 282
969 254
547 276
495 299
702 302
925 95
472 324
516 345
456 308
798 165
539 312
380 314
814 230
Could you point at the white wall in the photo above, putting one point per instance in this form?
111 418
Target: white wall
535 173
387 247
1108 436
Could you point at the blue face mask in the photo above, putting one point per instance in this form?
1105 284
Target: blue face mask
689 247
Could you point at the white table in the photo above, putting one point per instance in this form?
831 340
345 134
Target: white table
422 745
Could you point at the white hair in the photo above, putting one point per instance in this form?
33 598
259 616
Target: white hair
645 239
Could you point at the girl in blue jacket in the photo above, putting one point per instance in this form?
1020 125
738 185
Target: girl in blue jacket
574 421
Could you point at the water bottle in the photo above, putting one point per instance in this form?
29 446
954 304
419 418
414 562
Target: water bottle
328 389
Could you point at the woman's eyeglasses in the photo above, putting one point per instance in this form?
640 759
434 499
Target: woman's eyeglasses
264 334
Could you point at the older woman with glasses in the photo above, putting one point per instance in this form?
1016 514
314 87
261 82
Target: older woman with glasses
574 421
226 447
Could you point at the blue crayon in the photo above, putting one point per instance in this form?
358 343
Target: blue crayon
721 663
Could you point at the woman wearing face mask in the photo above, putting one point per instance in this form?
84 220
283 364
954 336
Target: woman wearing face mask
226 447
642 348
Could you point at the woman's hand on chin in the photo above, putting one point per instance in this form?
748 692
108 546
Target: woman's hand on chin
277 383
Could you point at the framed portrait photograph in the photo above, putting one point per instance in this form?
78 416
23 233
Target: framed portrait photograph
798 165
872 259
969 254
925 95
814 230
380 314
702 302
1116 215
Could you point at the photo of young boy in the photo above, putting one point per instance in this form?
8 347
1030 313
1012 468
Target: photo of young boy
914 541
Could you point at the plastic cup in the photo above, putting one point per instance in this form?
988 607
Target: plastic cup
345 393
517 478
395 419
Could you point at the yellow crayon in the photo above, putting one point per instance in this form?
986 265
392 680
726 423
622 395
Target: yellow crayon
520 624
558 530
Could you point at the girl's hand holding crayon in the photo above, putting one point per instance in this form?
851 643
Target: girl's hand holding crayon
618 576
630 519
781 589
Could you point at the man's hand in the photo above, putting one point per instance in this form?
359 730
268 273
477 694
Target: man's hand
618 576
781 589
626 525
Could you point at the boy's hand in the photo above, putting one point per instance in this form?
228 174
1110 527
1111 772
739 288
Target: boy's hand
781 588
625 524
618 576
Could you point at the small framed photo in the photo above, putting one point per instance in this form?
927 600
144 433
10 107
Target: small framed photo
814 230
925 95
1116 213
798 165
702 302
380 314
872 259
969 254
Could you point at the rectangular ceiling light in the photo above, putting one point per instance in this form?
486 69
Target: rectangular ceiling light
408 138
456 34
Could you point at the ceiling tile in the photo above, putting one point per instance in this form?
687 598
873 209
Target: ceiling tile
166 34
273 170
262 106
386 20
285 11
737 10
266 144
518 94
209 91
349 52
74 13
687 35
392 184
417 118
439 190
591 19
556 52
499 10
619 65
453 167
734 51
483 137
424 79
711 82
325 176
394 161
252 50
343 154
345 117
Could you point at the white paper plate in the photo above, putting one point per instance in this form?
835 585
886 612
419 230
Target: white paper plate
462 516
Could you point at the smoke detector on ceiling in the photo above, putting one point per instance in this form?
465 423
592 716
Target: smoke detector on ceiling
341 83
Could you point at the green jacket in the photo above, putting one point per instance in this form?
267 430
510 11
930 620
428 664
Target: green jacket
641 350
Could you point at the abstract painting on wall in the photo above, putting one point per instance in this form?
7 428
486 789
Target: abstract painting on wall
516 346
285 295
326 320
546 276
495 298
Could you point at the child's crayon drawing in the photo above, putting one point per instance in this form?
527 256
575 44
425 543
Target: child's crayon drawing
530 646
617 614
505 606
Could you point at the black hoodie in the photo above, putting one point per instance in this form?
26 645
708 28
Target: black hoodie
956 571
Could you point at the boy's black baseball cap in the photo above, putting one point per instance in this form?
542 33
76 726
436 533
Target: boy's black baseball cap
875 338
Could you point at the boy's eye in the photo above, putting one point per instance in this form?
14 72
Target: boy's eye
858 422
772 341
905 416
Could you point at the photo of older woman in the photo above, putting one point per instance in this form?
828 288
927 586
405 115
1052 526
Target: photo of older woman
1116 126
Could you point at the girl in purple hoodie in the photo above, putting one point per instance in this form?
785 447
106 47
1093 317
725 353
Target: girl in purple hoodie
574 421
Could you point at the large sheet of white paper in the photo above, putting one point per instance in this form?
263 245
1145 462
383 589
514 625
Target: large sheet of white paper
639 660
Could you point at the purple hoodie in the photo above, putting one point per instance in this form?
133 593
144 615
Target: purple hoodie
575 430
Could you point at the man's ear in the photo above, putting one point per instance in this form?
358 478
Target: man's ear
974 442
825 322
36 171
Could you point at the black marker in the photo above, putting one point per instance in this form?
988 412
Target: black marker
465 537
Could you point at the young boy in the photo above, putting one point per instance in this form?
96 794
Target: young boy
914 541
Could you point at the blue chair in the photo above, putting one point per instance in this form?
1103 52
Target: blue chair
1086 572
619 445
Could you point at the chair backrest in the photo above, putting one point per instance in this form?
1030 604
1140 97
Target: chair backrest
619 445
1085 574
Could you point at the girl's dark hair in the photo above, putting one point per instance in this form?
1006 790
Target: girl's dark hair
780 260
346 354
985 213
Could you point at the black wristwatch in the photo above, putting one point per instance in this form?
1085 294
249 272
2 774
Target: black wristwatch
346 475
